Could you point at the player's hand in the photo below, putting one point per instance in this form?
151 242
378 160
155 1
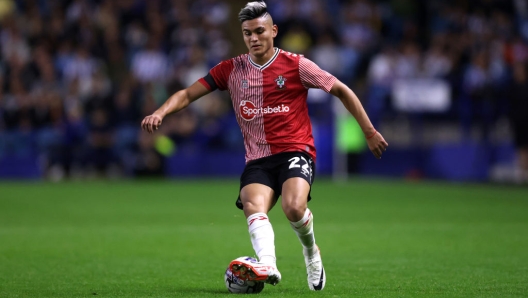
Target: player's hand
377 145
151 123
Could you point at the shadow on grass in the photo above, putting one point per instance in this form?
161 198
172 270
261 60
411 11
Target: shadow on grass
184 291
283 292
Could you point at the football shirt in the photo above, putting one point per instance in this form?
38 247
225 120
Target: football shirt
270 100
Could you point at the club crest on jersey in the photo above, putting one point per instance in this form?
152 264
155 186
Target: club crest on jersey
244 84
280 82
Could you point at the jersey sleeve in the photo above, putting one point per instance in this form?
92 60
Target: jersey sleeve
314 77
218 76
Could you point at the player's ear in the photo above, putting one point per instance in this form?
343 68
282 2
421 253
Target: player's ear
274 30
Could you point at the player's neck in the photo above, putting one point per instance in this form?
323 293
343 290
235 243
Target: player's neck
261 60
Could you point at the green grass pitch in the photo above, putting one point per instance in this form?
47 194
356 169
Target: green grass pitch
174 238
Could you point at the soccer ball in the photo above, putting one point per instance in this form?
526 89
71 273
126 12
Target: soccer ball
240 286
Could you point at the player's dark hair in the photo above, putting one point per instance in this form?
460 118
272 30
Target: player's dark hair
253 10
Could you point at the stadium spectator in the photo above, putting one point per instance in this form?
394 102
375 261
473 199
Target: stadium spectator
150 64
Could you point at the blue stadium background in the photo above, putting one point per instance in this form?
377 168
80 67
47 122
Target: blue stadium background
77 77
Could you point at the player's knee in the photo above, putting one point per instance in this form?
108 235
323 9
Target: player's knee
251 207
294 209
255 205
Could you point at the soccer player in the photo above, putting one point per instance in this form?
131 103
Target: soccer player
268 88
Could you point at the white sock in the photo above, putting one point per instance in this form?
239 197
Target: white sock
262 237
304 230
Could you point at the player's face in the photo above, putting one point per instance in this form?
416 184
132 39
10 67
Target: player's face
258 36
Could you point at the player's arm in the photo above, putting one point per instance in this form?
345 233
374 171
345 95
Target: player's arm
375 140
176 102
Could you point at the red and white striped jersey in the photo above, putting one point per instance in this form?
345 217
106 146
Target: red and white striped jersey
270 100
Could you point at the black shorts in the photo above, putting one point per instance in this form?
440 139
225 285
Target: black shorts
274 170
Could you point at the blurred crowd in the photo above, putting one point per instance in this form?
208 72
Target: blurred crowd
77 76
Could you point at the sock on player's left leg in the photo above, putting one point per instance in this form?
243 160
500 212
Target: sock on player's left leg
304 230
312 257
